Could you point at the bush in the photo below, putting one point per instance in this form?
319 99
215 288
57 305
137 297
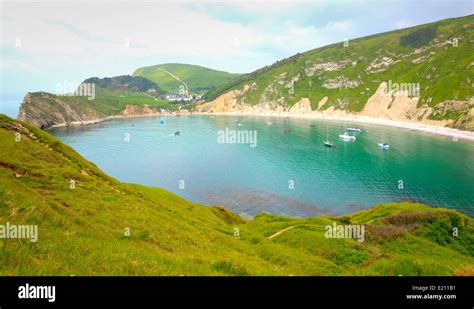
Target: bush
419 37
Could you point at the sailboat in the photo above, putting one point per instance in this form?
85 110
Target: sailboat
383 145
346 136
354 129
327 143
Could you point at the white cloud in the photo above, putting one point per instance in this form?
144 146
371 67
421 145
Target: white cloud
76 40
77 35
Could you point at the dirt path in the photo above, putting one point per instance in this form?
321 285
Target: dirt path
282 231
175 77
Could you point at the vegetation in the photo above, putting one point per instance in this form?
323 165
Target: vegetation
82 229
124 82
419 37
197 78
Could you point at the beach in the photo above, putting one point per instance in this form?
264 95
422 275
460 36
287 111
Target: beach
455 134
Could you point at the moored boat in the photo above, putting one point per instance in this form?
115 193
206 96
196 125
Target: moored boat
347 137
354 129
327 142
382 144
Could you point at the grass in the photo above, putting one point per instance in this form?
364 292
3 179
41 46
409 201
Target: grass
198 79
82 230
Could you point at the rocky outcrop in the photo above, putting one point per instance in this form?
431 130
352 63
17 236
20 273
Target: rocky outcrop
397 106
303 106
131 110
44 110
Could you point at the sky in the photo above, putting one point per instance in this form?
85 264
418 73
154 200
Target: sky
46 43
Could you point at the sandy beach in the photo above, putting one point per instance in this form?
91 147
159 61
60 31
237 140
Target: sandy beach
455 134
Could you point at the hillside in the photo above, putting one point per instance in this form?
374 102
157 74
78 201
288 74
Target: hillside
171 76
81 227
124 82
368 76
121 95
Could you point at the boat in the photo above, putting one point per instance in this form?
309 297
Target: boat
269 123
176 133
382 144
354 129
286 130
312 125
239 124
347 137
327 143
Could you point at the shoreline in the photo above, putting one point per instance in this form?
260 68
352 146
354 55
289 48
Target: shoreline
105 119
467 136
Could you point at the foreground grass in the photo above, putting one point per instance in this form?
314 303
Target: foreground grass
81 230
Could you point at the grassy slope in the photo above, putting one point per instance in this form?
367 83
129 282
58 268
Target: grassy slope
81 231
196 77
446 75
111 102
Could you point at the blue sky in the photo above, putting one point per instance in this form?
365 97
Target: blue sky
46 43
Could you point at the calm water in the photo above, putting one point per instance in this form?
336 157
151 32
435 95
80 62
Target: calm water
286 173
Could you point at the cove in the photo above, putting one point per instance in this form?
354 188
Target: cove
289 171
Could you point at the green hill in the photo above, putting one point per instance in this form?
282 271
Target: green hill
124 82
82 225
171 76
439 57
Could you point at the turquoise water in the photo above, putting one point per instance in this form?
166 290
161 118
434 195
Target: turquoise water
286 173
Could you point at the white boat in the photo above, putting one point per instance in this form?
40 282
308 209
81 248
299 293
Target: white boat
269 123
347 137
327 143
382 144
354 129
